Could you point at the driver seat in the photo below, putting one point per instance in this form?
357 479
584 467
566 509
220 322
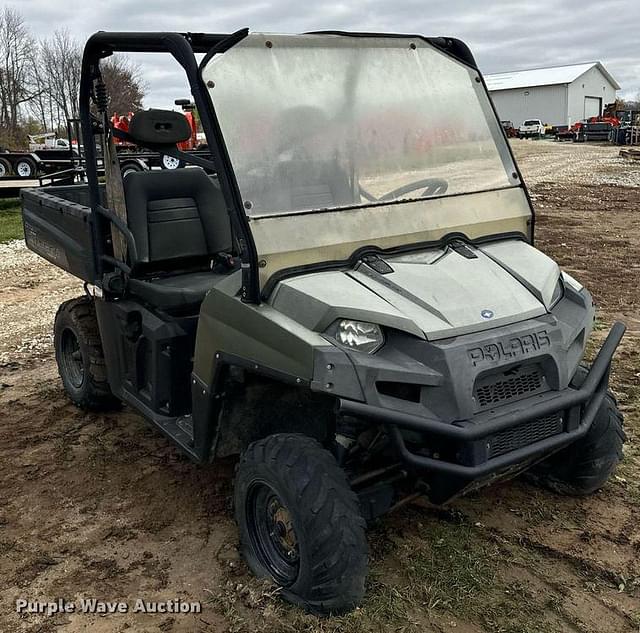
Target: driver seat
180 223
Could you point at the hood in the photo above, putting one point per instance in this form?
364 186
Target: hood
434 294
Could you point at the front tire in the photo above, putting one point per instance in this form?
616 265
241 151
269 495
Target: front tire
585 466
300 523
80 357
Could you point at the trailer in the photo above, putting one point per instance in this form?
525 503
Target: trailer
597 131
46 155
54 160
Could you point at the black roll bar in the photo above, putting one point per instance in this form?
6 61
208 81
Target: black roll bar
183 47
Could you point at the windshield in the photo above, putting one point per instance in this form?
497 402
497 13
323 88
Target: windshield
316 122
532 122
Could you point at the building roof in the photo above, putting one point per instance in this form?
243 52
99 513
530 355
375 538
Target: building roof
550 76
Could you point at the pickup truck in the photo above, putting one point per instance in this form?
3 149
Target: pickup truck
531 128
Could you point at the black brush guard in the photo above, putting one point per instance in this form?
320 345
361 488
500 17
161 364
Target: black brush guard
577 406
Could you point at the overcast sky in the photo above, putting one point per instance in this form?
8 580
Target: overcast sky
503 35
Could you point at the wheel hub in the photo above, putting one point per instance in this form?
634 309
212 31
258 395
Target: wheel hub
170 162
282 533
24 170
273 534
72 358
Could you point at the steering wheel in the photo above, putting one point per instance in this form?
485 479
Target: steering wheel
432 187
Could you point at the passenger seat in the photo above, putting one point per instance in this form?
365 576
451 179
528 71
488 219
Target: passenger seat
180 223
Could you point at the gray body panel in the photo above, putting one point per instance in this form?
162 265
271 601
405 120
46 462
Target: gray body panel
444 360
433 294
449 370
259 334
537 272
318 299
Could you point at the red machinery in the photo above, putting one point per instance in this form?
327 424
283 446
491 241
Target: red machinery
192 143
614 121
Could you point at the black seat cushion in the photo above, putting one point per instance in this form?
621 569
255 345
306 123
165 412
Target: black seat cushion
176 215
179 222
177 291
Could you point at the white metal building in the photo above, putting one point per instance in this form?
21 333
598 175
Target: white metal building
559 95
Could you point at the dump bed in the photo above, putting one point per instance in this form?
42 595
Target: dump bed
57 227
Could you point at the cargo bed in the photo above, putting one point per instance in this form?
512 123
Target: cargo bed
57 226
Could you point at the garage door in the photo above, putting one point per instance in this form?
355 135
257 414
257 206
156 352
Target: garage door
592 107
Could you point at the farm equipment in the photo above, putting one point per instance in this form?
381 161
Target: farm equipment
563 133
628 133
509 129
360 314
597 131
597 128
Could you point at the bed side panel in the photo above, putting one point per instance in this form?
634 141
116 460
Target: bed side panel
57 227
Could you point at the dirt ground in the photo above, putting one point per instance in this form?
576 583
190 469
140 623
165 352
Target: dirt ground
102 506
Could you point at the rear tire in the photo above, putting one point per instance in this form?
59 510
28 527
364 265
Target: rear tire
80 357
300 523
5 168
26 168
586 465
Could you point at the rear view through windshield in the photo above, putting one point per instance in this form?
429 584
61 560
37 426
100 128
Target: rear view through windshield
316 122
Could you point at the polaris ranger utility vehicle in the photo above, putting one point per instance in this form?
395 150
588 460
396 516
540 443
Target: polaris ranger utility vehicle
353 302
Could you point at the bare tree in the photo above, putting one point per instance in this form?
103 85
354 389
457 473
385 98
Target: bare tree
56 68
124 84
15 46
60 61
39 81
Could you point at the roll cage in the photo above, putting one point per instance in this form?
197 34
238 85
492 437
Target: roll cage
184 47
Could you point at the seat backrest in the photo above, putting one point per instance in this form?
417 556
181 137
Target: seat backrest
176 215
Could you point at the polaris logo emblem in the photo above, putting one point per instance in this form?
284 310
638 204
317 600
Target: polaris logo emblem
487 314
509 349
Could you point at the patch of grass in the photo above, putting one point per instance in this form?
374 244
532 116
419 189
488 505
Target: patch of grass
10 220
454 572
9 204
435 572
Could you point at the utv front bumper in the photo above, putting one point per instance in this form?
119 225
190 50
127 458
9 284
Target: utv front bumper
472 441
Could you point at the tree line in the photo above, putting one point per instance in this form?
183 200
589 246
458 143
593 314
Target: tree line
39 81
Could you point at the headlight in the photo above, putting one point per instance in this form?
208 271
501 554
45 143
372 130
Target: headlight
357 335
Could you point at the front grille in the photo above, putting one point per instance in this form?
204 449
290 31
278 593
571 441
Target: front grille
525 434
507 386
